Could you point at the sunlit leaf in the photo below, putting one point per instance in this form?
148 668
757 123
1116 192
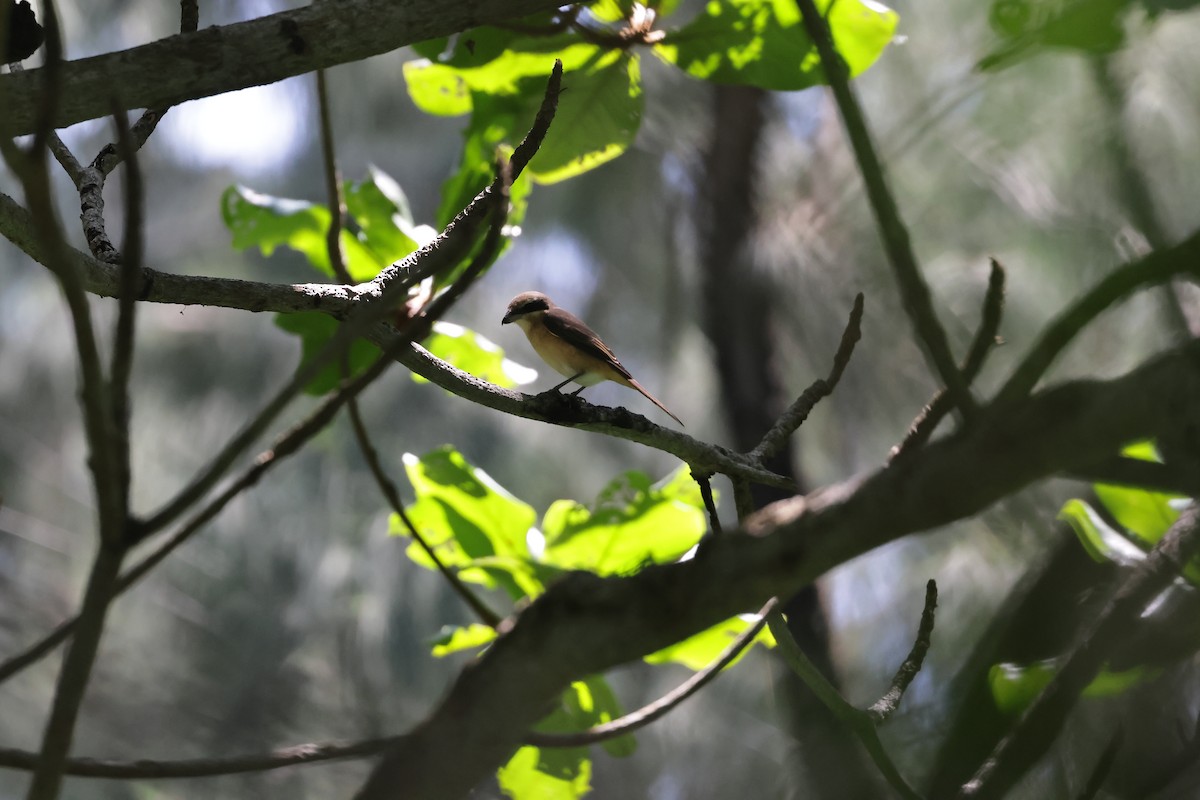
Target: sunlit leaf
266 222
521 779
598 117
1031 26
631 523
1015 686
697 652
314 330
380 210
1146 514
465 515
1097 537
452 638
763 42
475 354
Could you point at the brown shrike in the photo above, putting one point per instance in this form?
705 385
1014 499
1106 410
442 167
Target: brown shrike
570 347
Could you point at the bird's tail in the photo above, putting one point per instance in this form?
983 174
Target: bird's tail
638 387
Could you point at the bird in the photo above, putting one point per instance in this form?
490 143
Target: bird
569 346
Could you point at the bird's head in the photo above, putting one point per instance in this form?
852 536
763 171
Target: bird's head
525 305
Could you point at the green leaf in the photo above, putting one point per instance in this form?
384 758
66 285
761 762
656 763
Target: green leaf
452 638
1143 513
1015 686
763 43
1031 26
465 516
314 330
270 222
697 652
475 354
630 524
584 704
598 116
1097 537
381 211
521 778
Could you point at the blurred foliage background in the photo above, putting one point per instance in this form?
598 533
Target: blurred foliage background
294 617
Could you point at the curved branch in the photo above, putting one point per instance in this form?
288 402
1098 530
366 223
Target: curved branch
226 58
585 624
1155 268
918 301
983 344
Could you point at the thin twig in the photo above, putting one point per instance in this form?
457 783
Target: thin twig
983 343
337 259
123 338
1153 269
333 186
146 769
913 290
75 672
649 713
1103 767
287 444
791 419
886 705
859 722
1040 724
456 238
704 481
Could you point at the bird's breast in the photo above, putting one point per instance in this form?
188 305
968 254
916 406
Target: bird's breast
562 357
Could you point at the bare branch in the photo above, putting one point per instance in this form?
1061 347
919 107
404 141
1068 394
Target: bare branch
985 339
122 356
659 708
913 289
704 481
225 58
886 705
389 286
1153 269
1042 721
860 723
1103 767
146 769
791 419
585 624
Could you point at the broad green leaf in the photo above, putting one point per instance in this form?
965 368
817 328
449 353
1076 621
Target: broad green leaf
270 222
494 62
452 638
1143 513
630 524
598 117
1031 26
610 11
314 330
1015 686
465 515
584 704
1098 538
763 43
473 353
381 211
521 779
697 652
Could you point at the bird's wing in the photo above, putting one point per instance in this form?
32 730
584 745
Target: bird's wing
572 330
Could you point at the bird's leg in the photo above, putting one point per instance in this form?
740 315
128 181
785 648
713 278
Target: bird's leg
568 380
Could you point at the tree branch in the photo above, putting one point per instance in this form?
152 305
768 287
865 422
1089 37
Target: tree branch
585 624
1042 721
913 290
791 419
983 344
225 58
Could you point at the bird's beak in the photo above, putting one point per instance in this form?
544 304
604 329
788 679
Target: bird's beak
507 319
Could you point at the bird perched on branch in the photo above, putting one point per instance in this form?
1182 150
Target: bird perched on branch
569 346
